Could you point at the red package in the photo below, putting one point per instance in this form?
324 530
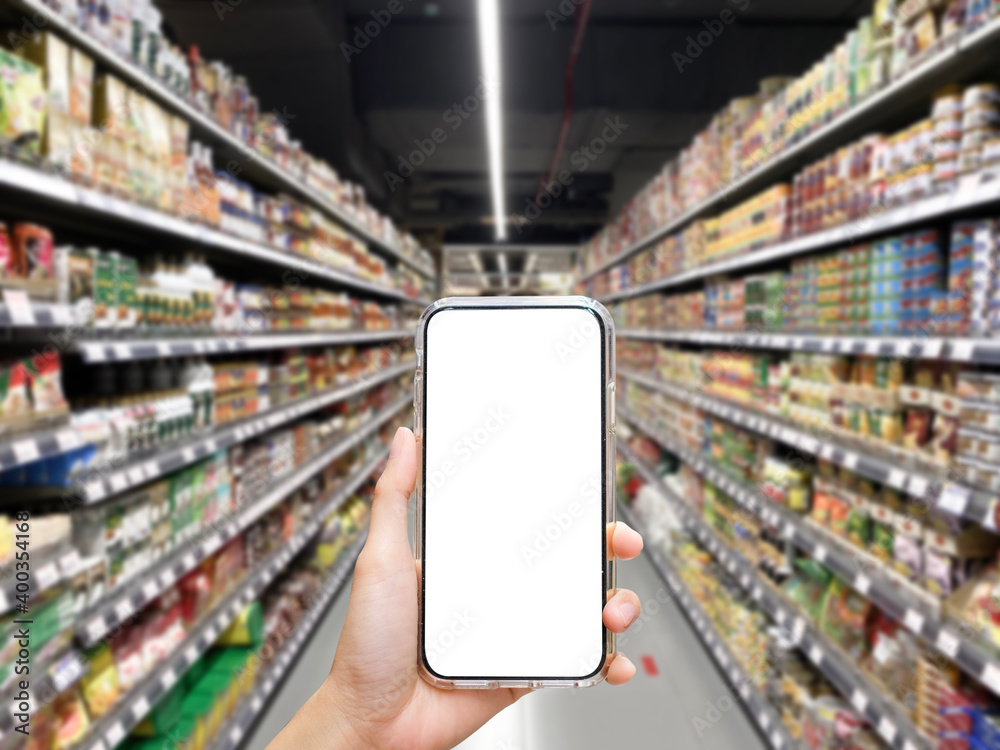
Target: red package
196 593
7 266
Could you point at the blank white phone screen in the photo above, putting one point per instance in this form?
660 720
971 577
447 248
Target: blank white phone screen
514 523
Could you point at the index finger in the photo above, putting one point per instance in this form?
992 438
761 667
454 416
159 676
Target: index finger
624 542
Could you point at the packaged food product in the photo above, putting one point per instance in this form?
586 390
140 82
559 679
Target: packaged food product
70 717
99 685
33 251
81 77
8 267
14 400
51 55
45 373
22 102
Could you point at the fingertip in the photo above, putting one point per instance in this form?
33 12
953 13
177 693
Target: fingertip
400 441
621 670
626 542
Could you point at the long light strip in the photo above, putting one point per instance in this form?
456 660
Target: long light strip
489 49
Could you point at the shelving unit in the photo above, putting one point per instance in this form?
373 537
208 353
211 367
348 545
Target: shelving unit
134 706
255 165
247 712
99 207
973 351
950 497
967 55
756 704
93 352
865 696
908 215
110 480
121 606
958 641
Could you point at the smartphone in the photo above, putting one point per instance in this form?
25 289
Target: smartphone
515 425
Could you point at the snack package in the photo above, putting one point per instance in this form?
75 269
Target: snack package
8 268
33 251
99 685
14 400
51 54
45 374
81 80
22 101
845 618
70 719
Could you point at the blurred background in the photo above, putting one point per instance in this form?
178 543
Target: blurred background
221 219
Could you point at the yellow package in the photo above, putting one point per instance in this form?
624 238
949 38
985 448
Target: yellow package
81 85
100 685
22 101
51 54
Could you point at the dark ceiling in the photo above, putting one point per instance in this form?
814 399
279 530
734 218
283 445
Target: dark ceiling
365 113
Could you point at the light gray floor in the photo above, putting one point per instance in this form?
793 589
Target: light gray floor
648 712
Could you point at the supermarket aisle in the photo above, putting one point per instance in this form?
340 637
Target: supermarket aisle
304 678
662 706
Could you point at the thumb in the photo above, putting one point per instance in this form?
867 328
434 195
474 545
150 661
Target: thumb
390 506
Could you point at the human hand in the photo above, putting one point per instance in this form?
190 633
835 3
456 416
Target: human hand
374 696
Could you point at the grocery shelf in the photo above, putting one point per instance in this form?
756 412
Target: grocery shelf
120 606
135 349
925 484
941 206
246 714
253 164
48 570
35 315
141 471
976 351
760 709
866 697
969 53
131 708
956 640
105 207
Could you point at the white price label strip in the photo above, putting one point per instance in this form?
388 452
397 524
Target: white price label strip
115 734
862 584
887 729
47 575
26 451
815 655
19 307
991 678
914 621
67 440
954 499
948 643
859 700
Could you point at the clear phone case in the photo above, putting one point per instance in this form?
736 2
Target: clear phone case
608 485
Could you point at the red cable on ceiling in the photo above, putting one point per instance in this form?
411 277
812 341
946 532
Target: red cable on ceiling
581 27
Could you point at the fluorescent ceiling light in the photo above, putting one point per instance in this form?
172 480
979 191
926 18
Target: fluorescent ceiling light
489 50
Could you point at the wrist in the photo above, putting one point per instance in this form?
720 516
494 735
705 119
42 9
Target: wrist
344 725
